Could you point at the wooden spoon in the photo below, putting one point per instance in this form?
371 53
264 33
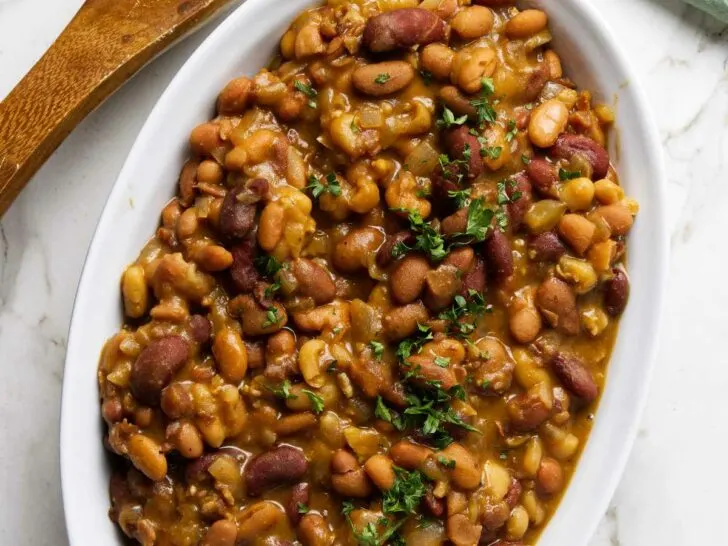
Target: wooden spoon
102 47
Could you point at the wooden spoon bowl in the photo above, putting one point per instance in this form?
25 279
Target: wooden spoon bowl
105 44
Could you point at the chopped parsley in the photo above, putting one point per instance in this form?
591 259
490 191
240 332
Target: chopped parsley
317 403
302 508
472 307
307 90
448 119
484 110
318 188
377 349
512 130
267 265
382 78
491 152
283 390
461 197
406 493
427 239
412 345
447 463
442 361
479 220
426 76
568 175
271 317
525 159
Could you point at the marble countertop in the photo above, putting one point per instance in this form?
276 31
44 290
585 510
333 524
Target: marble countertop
673 490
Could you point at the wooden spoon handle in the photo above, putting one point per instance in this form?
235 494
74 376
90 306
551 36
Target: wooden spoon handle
102 47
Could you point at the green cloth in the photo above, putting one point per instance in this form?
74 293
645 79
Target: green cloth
717 8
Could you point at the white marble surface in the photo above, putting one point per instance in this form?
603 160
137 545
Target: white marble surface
673 491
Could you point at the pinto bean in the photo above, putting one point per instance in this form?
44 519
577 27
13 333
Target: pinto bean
567 146
457 141
472 22
401 322
426 370
407 280
256 319
314 531
616 292
456 101
466 473
243 272
521 196
146 455
618 217
353 250
348 478
545 247
526 23
543 175
514 493
461 531
187 183
155 367
550 477
281 465
575 377
462 259
236 218
525 324
403 28
384 254
313 281
230 354
437 59
455 223
529 409
548 121
380 470
557 303
300 494
221 533
380 79
409 455
475 278
577 231
235 97
498 256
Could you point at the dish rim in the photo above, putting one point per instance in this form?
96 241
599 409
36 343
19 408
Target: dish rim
609 478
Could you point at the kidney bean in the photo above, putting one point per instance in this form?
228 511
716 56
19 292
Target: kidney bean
616 292
299 495
521 195
236 218
243 272
199 328
458 141
280 465
557 303
498 255
407 280
475 278
382 79
403 28
155 367
574 376
545 247
313 281
384 254
536 81
435 506
568 145
543 175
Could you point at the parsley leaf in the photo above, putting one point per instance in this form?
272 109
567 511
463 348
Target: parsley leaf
318 188
512 130
568 175
283 390
411 345
474 306
267 265
302 508
479 219
447 463
377 349
307 90
491 152
317 402
427 239
442 361
382 78
426 76
448 119
461 197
